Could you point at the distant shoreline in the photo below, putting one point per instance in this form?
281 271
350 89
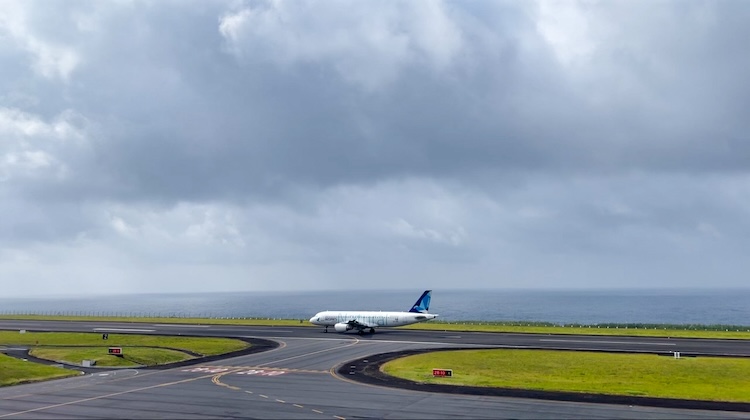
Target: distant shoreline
725 307
587 290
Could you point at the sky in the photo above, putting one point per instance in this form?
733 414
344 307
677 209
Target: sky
194 146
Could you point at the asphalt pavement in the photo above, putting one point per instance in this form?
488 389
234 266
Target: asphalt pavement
299 378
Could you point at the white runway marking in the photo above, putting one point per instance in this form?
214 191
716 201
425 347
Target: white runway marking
123 329
261 372
206 370
276 331
182 326
607 342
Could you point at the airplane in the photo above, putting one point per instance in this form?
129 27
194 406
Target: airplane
343 321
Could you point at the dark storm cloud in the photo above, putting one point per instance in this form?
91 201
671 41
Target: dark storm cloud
181 116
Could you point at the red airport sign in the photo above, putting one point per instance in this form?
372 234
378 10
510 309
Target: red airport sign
442 372
117 351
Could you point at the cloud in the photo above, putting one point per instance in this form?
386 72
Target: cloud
403 228
35 150
266 145
369 46
50 59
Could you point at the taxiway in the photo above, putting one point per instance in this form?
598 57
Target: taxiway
298 379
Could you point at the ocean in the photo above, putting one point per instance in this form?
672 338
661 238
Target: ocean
684 306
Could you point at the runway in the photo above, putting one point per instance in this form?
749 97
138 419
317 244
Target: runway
297 379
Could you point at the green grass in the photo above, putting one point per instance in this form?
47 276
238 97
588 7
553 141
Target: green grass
206 346
701 378
168 320
73 348
14 371
133 356
642 330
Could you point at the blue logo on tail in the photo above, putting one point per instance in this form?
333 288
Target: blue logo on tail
423 303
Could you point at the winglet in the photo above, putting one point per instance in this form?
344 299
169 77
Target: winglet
422 304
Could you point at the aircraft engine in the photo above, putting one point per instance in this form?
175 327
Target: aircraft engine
342 327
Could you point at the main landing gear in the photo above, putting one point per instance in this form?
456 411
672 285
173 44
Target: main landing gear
362 331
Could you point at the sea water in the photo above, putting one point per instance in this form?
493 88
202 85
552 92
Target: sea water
680 306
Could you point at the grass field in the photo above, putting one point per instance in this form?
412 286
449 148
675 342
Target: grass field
701 378
655 330
206 346
133 356
14 371
166 320
73 348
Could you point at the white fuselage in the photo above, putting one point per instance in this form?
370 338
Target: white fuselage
373 319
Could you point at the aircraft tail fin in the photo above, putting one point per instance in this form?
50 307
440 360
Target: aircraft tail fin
422 304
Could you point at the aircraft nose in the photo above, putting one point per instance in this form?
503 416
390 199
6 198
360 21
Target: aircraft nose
313 319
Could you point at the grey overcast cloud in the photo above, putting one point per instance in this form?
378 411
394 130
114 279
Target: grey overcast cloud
165 146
